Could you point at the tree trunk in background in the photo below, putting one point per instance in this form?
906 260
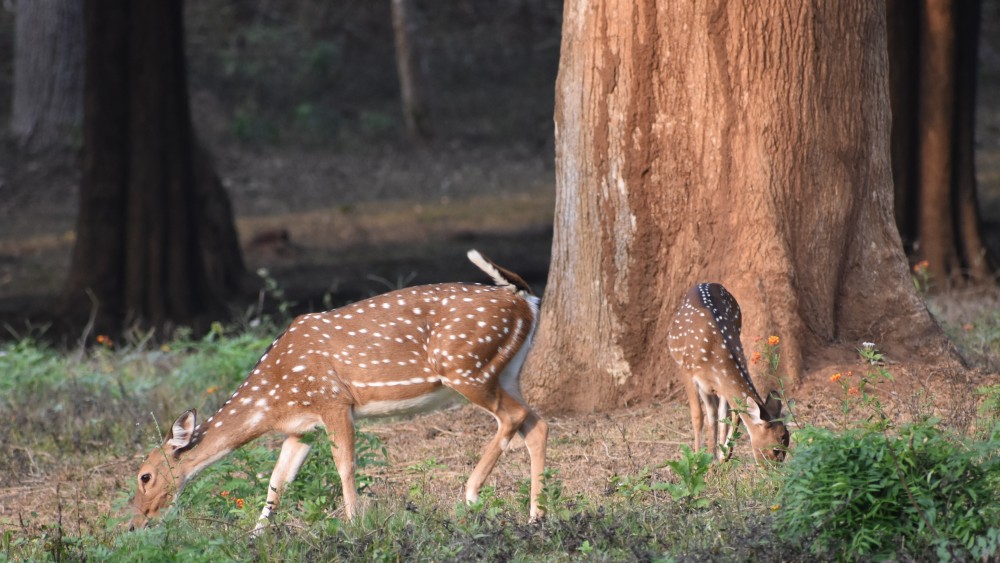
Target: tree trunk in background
933 57
155 237
414 108
47 108
743 143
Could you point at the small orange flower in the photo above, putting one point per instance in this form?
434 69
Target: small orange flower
240 503
755 358
104 340
854 391
921 266
224 494
211 390
773 340
967 327
836 377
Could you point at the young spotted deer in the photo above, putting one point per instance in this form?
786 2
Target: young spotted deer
403 352
705 341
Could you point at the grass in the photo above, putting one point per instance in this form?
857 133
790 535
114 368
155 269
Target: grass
77 422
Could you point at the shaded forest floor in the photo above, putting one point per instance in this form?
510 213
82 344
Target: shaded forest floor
333 227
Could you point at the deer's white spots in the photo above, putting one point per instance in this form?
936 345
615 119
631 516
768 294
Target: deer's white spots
261 403
254 419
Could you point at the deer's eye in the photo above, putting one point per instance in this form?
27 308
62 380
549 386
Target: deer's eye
145 477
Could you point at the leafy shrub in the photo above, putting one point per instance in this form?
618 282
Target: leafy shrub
861 493
691 468
988 410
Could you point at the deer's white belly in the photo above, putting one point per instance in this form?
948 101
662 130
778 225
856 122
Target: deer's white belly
403 407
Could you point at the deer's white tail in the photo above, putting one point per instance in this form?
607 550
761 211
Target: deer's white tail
501 276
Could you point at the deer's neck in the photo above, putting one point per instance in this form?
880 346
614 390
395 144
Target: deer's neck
211 445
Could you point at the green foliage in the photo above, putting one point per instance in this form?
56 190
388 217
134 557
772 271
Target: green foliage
691 468
988 410
922 277
551 500
861 493
634 486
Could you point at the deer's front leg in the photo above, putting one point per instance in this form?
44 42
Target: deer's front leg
711 402
340 428
293 453
535 432
510 415
727 436
697 414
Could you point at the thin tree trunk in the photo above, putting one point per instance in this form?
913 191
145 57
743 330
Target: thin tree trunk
413 105
746 144
935 117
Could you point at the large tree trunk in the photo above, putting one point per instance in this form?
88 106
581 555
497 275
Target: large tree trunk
48 74
743 143
155 236
933 55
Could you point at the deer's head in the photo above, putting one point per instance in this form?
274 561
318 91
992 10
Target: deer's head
769 437
161 475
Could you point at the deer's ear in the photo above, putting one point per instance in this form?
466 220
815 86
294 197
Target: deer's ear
773 405
757 414
182 431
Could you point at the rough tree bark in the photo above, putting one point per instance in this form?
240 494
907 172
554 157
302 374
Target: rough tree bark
743 143
933 48
155 237
47 108
413 105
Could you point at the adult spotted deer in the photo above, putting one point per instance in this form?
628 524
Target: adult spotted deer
705 341
403 352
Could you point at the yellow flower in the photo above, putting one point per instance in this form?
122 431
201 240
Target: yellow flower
775 507
165 348
773 340
835 377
